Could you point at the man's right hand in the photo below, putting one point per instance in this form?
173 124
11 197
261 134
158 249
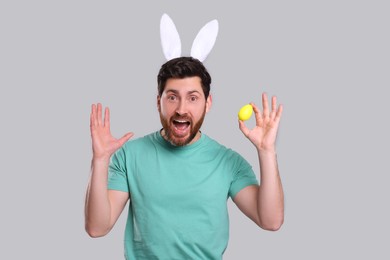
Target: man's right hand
103 143
102 206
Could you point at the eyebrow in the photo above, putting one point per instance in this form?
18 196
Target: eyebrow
188 93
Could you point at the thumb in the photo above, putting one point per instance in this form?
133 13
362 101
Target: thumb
125 138
243 128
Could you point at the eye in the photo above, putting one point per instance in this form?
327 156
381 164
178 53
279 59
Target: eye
172 98
193 98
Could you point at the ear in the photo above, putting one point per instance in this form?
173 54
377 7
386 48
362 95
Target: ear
209 102
204 40
170 39
158 103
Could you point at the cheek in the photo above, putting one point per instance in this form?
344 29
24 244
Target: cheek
166 109
198 113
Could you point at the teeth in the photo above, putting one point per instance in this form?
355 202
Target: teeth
180 121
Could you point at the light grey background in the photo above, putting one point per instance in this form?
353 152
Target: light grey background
327 61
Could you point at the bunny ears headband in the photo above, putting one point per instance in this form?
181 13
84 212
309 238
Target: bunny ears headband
201 47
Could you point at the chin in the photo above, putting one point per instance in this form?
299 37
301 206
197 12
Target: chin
180 141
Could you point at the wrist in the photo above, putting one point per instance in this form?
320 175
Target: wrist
266 150
98 160
266 153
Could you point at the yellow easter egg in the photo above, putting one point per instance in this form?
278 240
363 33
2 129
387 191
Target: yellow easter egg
245 112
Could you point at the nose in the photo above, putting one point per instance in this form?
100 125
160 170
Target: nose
181 108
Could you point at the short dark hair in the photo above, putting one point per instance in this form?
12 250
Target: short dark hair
183 67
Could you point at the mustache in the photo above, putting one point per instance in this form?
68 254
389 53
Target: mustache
181 118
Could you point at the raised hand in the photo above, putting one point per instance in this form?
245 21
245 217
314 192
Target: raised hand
103 143
263 135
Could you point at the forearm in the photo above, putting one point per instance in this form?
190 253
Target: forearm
97 204
270 194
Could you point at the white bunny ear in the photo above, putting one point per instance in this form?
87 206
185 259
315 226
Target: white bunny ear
170 39
204 40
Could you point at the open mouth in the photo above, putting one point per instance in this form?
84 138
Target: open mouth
181 126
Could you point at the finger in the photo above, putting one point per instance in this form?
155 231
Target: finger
107 117
273 111
274 100
243 128
99 114
125 138
279 113
93 117
265 106
258 116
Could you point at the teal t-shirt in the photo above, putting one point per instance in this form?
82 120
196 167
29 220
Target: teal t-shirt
178 196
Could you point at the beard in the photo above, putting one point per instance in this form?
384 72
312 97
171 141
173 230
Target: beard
177 139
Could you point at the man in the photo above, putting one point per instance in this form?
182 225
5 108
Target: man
178 179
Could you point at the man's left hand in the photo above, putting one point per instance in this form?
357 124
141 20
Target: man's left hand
263 135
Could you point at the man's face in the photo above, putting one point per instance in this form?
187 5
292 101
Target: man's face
182 107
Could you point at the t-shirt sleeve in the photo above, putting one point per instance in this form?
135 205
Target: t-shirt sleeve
243 176
117 172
